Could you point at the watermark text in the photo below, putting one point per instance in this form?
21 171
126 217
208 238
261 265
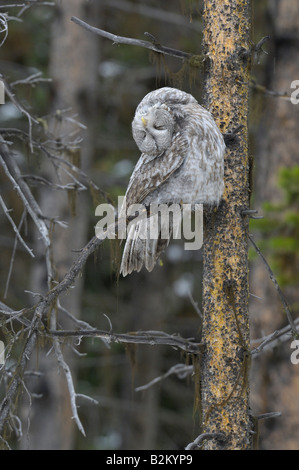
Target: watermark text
295 354
2 92
2 353
295 93
156 221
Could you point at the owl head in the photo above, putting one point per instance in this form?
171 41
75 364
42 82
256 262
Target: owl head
153 128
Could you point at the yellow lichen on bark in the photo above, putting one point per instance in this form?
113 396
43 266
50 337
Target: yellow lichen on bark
224 384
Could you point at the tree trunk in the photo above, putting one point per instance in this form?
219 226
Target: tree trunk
225 335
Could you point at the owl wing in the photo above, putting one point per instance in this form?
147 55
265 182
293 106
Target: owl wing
150 173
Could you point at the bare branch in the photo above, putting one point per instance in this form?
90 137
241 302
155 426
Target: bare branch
195 305
132 42
78 322
86 397
3 28
46 148
25 5
270 415
13 254
12 391
262 89
12 171
70 384
31 80
62 187
276 285
22 3
181 370
16 230
139 337
205 436
274 339
21 108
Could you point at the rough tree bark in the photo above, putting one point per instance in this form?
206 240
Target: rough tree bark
225 360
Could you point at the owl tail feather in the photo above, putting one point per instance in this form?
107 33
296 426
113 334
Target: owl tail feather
143 249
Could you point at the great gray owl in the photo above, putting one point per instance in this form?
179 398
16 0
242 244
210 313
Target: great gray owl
182 153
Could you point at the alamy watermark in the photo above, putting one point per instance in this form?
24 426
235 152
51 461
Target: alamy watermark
295 93
179 221
2 353
295 354
2 92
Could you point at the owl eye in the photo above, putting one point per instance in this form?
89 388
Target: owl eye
159 128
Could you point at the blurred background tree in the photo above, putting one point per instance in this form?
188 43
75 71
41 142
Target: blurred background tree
275 380
94 91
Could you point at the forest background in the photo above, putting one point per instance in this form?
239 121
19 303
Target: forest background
85 98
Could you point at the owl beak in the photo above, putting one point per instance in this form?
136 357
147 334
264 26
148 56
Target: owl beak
144 121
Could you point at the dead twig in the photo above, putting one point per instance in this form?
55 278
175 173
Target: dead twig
139 337
203 437
181 370
132 42
278 289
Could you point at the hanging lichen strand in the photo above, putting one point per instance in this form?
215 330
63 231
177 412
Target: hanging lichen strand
225 360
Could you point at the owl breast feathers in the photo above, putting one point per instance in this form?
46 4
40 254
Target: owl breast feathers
182 153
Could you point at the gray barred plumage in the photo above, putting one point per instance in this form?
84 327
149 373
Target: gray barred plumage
182 153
